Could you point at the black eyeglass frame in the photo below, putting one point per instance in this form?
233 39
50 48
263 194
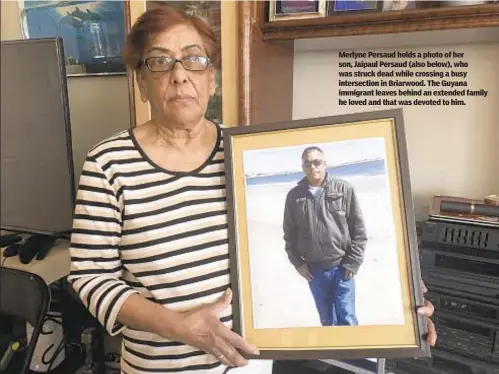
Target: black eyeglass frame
174 61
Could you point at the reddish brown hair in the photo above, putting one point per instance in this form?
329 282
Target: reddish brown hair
157 20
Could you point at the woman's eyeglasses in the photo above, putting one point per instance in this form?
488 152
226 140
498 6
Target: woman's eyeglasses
161 64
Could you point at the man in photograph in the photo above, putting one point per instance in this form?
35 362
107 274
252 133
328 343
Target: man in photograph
325 238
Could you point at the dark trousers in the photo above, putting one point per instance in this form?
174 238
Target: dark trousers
334 296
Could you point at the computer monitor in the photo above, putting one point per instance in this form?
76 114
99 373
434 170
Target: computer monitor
37 177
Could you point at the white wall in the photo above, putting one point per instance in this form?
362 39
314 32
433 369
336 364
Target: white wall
452 150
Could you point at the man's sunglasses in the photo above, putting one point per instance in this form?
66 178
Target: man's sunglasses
316 163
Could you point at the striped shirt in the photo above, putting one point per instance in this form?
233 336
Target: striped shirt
139 228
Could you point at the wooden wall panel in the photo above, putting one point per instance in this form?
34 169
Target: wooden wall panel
265 71
139 111
230 63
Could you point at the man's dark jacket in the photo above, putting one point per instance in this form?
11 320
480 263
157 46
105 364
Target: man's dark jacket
326 229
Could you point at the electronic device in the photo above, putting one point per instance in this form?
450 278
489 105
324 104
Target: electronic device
466 327
36 246
36 164
7 240
459 262
12 250
471 212
460 257
441 362
448 234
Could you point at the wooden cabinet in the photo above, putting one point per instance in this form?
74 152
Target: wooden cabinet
255 78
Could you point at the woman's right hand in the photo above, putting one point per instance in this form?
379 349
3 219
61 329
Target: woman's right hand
202 328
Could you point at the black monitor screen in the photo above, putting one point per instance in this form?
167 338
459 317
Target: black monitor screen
37 180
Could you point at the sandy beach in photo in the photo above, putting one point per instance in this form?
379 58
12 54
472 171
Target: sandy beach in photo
281 297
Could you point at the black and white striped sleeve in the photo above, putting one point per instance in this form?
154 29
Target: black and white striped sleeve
96 267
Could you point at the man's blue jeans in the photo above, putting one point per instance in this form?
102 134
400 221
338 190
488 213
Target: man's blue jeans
334 296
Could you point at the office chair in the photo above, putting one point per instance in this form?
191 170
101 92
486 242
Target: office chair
26 297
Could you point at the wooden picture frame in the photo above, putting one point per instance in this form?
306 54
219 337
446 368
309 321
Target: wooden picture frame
294 9
273 305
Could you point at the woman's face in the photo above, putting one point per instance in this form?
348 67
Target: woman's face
180 96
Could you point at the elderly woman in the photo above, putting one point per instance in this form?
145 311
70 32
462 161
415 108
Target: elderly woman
149 247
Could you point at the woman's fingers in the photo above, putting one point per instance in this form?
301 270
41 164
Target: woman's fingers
234 357
427 310
423 287
229 345
239 343
214 337
228 354
221 357
431 337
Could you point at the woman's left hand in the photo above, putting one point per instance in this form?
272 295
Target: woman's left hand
427 310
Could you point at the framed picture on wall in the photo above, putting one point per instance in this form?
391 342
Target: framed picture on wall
296 9
323 239
93 32
340 7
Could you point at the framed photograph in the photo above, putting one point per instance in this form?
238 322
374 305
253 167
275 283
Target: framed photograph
355 6
93 32
296 9
323 239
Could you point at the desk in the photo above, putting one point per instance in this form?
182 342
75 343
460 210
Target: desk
54 266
